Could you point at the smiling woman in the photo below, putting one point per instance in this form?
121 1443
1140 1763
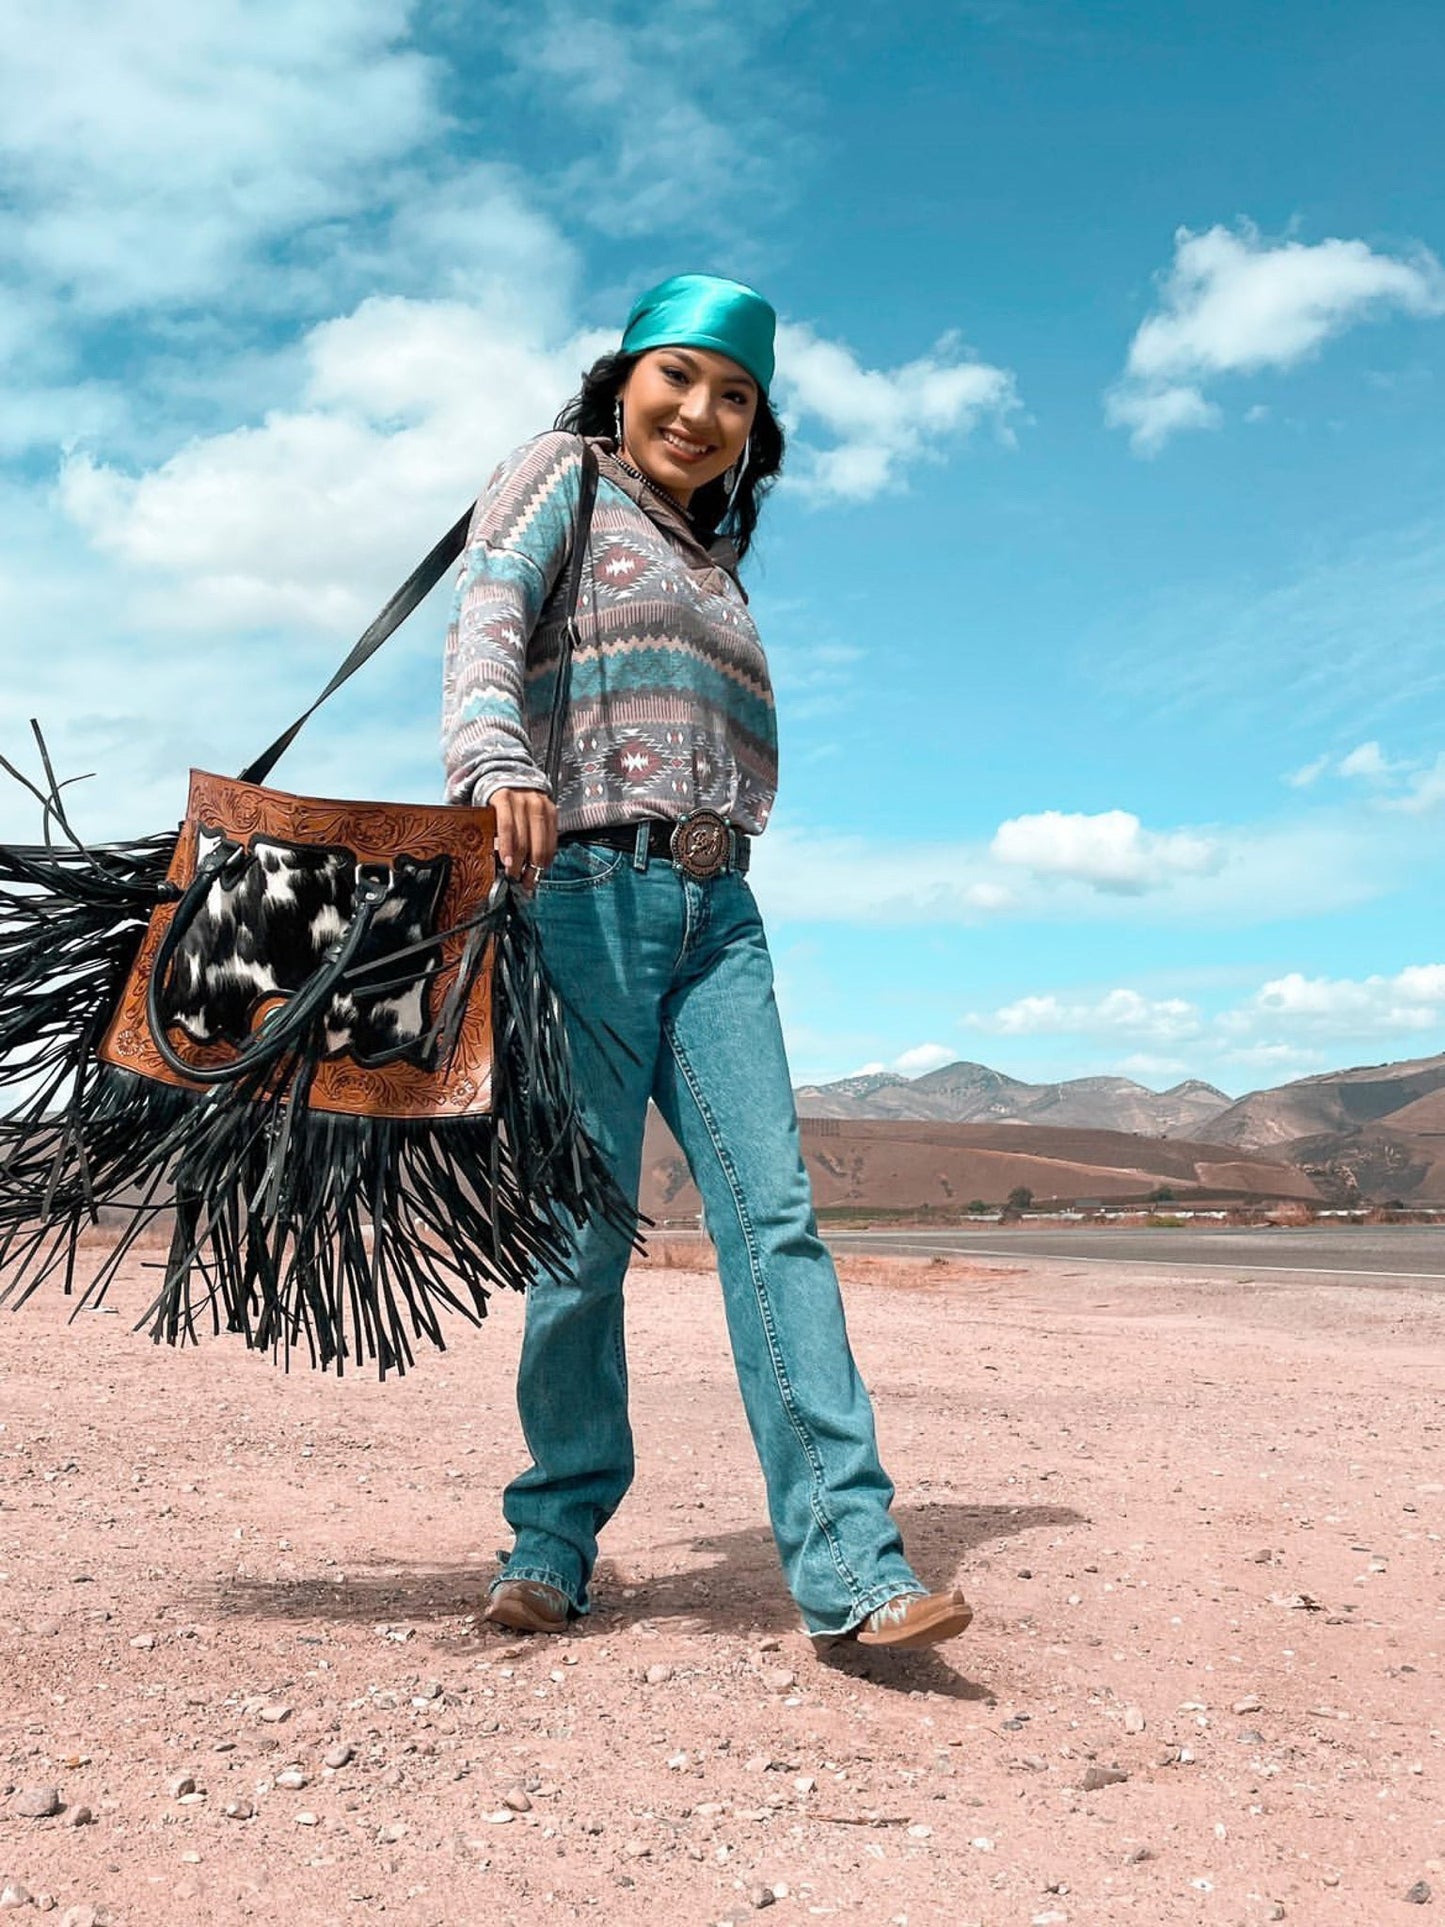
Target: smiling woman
630 766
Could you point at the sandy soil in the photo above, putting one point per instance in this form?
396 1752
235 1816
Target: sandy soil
1200 1521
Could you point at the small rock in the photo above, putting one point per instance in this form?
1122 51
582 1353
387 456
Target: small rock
80 1917
502 1817
273 1713
1096 1777
292 1778
306 1818
430 1690
36 1802
920 1832
144 1642
1276 1910
1249 1703
338 1756
393 1831
239 1810
778 1679
658 1675
517 1800
637 1850
761 1896
1138 1856
78 1817
180 1783
1134 1721
12 1894
1419 1894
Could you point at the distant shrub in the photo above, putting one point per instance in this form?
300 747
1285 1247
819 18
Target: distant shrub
1019 1199
1161 1194
977 1206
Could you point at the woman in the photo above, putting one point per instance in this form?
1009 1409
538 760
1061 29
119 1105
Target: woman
668 769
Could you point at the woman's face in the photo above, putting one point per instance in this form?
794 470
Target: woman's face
686 417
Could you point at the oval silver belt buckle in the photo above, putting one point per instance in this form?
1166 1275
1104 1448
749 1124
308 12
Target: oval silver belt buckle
701 844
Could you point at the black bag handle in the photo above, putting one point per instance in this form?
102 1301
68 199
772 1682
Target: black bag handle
417 587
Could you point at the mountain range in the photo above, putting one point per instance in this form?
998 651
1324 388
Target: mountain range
1373 1132
973 1094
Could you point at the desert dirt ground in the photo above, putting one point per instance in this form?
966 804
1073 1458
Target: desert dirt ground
1200 1522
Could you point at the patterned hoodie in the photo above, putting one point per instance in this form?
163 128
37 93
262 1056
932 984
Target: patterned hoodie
670 706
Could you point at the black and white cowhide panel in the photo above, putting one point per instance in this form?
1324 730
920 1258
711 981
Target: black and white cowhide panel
265 927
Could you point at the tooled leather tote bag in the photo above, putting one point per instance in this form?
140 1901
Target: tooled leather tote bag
314 1039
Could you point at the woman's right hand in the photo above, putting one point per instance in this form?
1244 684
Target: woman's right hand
526 833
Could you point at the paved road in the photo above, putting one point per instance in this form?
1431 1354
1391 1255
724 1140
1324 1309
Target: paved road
1389 1253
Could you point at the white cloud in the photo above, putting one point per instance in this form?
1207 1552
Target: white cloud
881 422
1121 1011
1399 784
922 1058
1233 303
1152 415
152 147
1301 779
306 517
1243 875
1110 851
1286 1026
1424 790
1411 1000
1369 763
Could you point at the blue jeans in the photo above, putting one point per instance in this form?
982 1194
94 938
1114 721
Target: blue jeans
680 970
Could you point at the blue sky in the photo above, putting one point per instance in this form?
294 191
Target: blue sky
1106 592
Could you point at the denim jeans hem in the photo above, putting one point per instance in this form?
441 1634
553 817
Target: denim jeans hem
877 1596
542 1575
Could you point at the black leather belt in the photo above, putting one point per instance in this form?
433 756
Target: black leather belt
701 845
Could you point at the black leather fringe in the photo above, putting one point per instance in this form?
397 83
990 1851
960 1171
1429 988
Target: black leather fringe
338 1238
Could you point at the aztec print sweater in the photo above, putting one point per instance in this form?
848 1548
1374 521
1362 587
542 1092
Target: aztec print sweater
670 707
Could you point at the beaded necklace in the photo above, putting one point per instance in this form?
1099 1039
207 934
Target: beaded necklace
656 487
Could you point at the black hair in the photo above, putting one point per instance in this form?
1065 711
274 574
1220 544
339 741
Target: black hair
592 411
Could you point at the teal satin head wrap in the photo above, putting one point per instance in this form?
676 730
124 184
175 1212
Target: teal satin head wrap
704 311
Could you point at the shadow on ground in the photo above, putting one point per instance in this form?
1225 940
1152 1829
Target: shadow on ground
729 1583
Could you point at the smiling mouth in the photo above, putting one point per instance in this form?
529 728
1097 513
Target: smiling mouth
685 451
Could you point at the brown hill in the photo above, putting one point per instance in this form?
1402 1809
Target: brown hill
1375 1166
1342 1102
897 1166
967 1093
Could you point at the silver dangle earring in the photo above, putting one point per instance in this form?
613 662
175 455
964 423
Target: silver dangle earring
736 480
617 420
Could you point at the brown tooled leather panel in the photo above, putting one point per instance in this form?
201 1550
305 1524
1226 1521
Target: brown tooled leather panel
375 832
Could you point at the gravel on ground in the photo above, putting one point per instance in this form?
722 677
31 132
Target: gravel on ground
1200 1520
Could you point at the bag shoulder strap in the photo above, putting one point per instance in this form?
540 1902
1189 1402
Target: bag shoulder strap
561 689
414 591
